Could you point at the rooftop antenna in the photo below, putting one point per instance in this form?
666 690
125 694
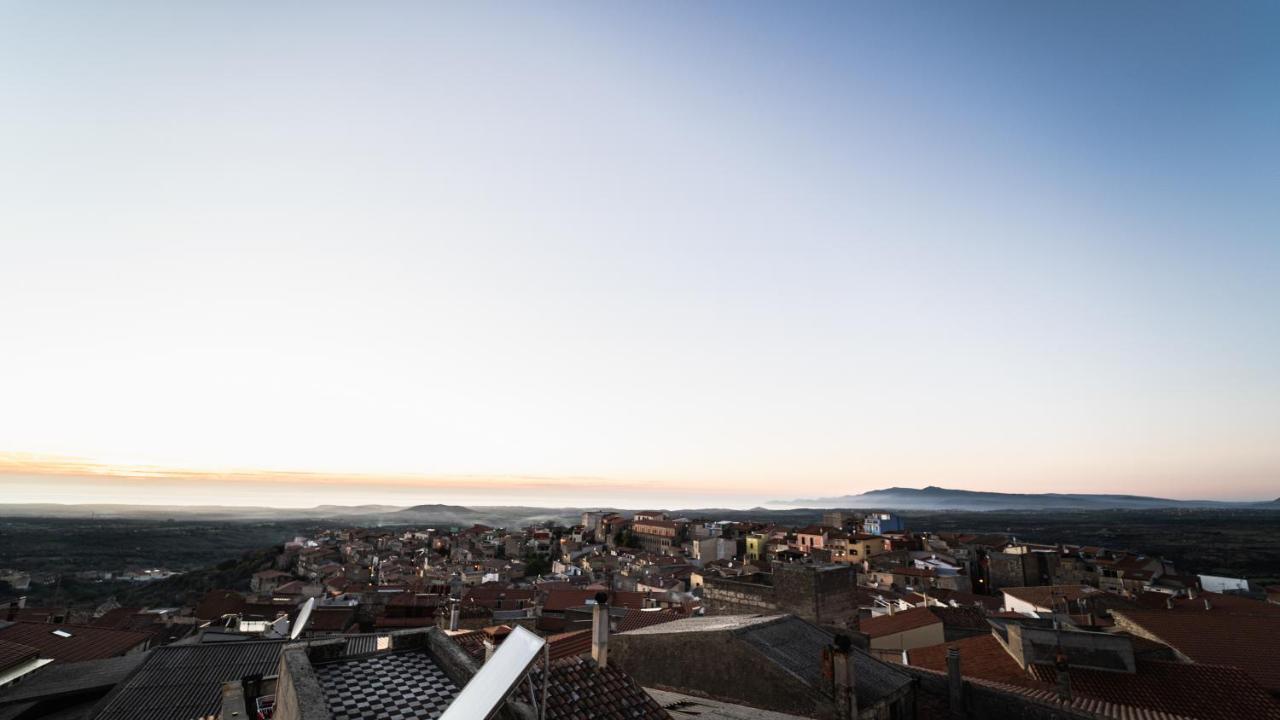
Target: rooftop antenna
303 618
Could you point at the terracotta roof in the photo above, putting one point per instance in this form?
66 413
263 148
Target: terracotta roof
86 642
488 596
962 617
293 587
579 690
1045 596
636 619
561 600
569 644
331 619
471 642
1217 603
947 595
1208 692
898 622
1247 642
980 657
14 654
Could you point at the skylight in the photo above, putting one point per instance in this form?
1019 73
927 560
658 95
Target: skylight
62 633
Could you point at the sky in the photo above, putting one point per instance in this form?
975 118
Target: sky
655 253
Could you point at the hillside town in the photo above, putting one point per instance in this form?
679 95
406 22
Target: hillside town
645 615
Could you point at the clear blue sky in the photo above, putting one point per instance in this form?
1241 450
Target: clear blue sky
718 252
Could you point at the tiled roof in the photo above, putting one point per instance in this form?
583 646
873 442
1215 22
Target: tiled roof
706 623
961 617
898 622
180 682
980 657
580 690
331 619
569 644
636 619
488 596
561 600
797 646
1208 692
692 707
471 642
1045 596
1050 697
14 654
69 678
85 642
1207 602
1248 642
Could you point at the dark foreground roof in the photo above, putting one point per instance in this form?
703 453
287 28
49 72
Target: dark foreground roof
797 646
582 690
73 643
92 678
180 682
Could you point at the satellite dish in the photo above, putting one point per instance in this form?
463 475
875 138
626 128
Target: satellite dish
489 688
303 617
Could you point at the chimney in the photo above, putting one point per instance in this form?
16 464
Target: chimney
844 679
1168 601
1064 675
955 684
453 615
1207 604
600 630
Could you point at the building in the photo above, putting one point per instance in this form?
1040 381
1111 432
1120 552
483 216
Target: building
889 634
714 548
836 518
822 594
881 523
655 535
813 537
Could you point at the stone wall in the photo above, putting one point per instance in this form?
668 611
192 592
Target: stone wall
751 594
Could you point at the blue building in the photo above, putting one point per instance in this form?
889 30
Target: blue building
881 523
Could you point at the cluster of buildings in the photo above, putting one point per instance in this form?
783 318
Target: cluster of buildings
644 615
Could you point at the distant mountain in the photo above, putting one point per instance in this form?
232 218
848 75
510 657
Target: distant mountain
936 498
191 512
498 516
